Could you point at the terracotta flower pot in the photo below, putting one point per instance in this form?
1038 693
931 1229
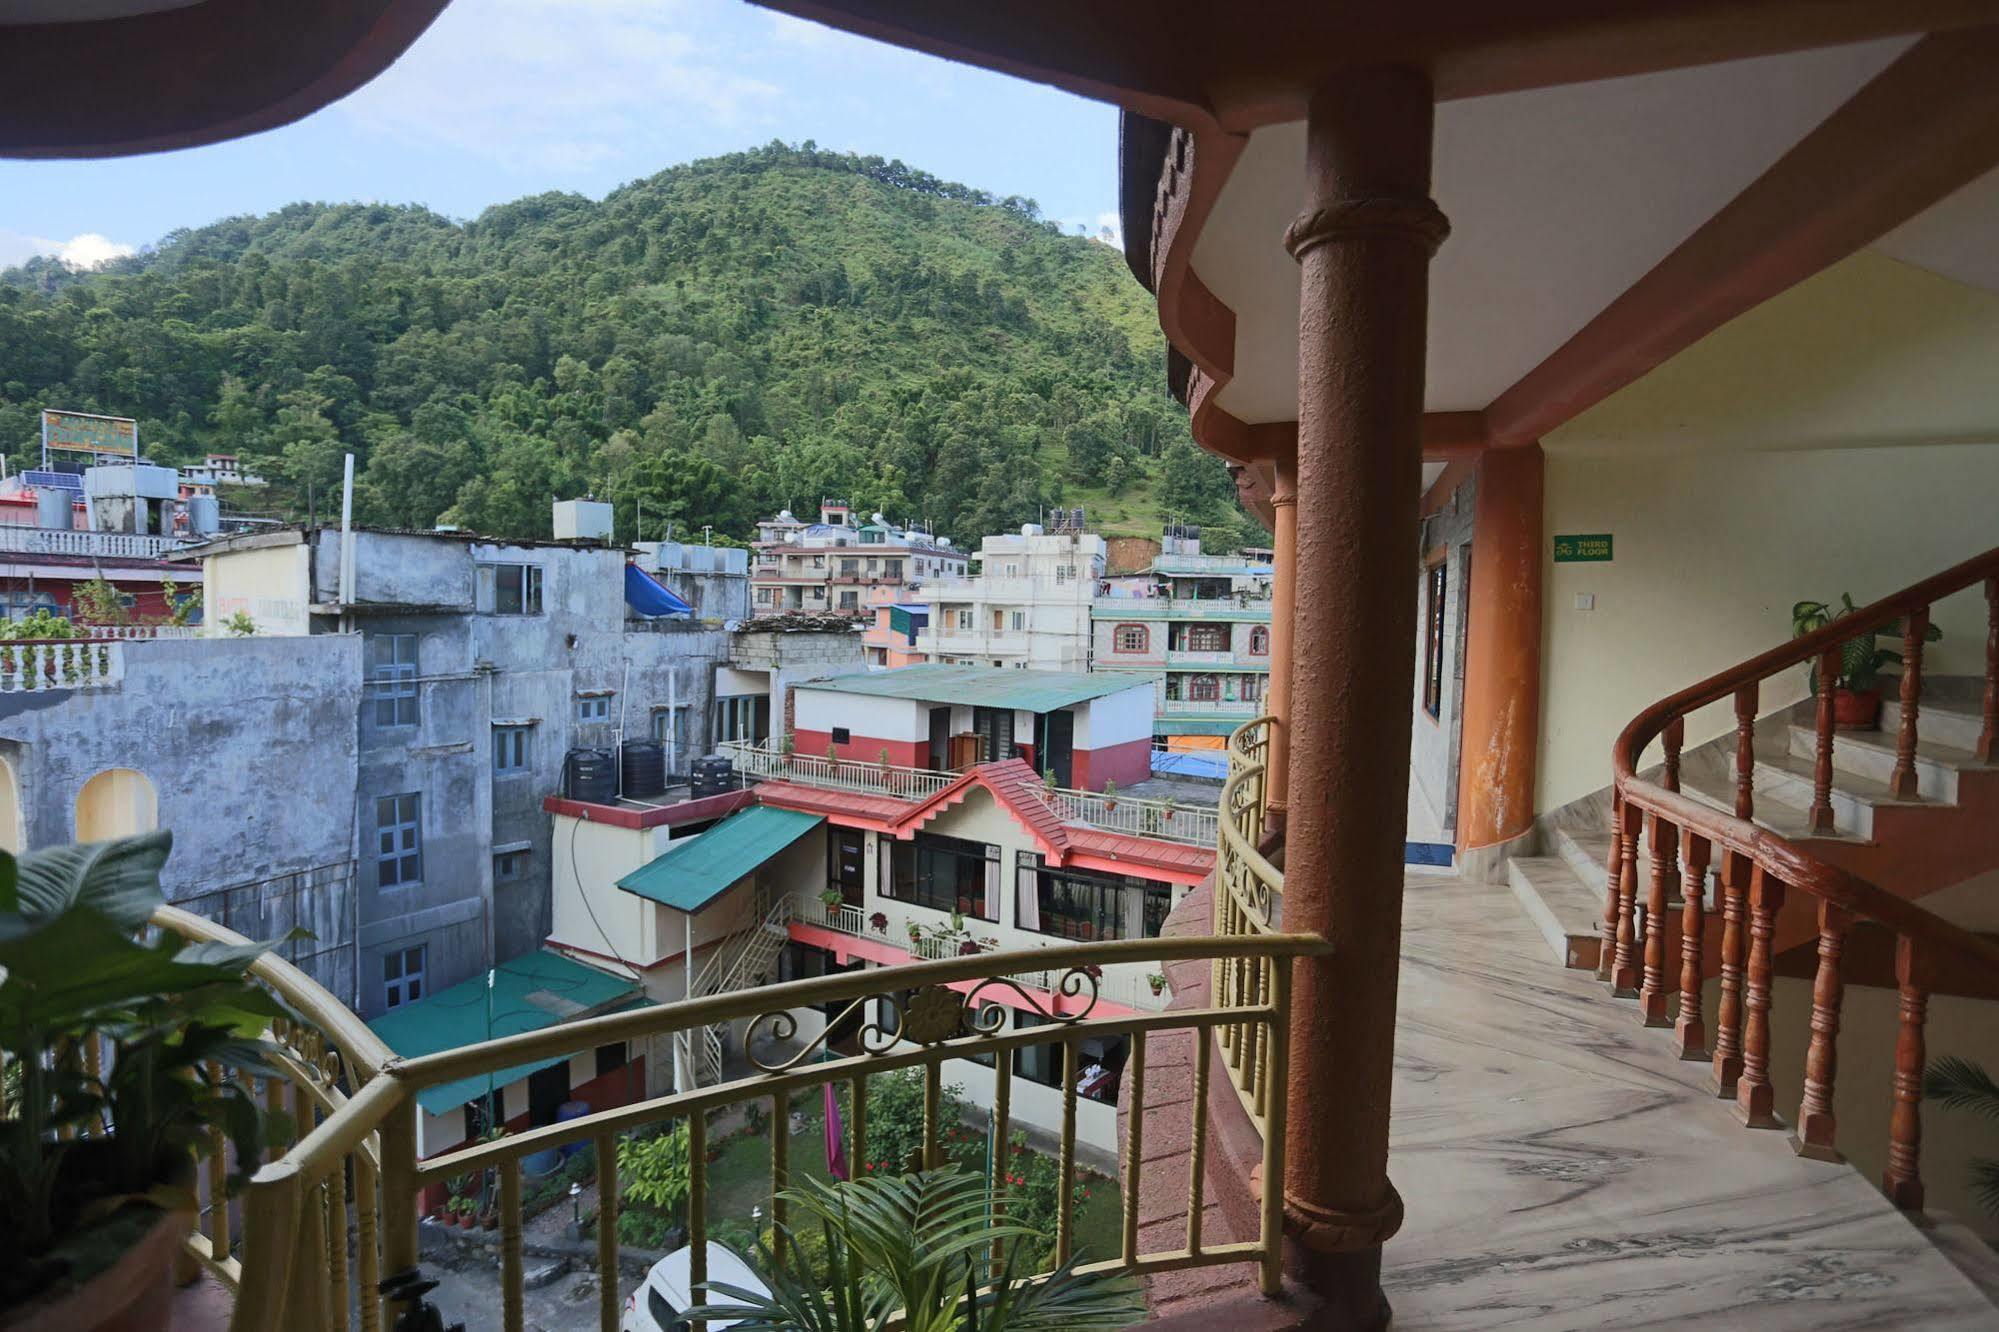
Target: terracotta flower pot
1856 709
134 1294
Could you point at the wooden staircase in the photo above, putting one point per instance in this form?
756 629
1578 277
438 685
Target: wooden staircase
1803 851
1946 833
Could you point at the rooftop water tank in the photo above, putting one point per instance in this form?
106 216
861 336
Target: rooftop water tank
645 768
204 515
582 520
590 775
52 508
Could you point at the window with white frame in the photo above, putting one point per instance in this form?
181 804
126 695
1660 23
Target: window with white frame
964 619
1017 620
593 707
510 748
402 976
399 840
392 678
510 589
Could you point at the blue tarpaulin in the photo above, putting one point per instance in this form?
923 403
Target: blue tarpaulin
644 595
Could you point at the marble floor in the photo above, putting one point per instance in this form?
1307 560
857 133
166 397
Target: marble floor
1561 1170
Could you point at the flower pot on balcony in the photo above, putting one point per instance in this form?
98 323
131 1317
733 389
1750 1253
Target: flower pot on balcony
134 1291
1856 709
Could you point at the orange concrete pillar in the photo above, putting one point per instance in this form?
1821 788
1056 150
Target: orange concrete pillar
1283 603
1363 246
1502 699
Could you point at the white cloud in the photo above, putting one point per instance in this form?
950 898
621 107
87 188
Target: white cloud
86 250
546 86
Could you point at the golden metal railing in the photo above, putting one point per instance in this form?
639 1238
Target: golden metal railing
1248 897
293 1207
333 1071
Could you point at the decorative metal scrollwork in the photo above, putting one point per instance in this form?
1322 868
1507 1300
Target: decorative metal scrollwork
1073 984
780 1025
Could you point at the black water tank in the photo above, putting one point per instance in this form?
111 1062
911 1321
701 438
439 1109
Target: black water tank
712 776
589 774
645 768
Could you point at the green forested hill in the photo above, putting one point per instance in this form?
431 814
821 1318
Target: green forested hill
718 341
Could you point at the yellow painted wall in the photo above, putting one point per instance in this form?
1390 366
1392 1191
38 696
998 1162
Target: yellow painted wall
1711 551
12 837
589 910
1843 437
117 802
272 586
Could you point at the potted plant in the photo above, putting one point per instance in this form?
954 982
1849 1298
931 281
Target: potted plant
464 1212
832 900
93 1221
879 922
915 932
1048 782
1856 696
1110 796
885 764
1156 981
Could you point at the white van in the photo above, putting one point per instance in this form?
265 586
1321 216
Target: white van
661 1304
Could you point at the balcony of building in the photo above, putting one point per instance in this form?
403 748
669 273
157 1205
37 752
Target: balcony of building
1241 607
83 544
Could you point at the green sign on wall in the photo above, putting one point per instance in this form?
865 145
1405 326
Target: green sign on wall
1583 549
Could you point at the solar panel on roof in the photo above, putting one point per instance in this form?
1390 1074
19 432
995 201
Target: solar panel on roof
54 480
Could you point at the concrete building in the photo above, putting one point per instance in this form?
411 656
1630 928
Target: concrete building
1085 730
767 657
1028 606
832 564
1201 624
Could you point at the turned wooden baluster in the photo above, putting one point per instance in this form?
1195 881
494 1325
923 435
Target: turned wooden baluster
1902 1180
1652 990
1671 741
1734 890
1754 1101
1607 951
1690 1030
1822 771
1815 1134
1988 738
1624 967
1902 782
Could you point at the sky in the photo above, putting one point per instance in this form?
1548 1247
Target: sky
505 98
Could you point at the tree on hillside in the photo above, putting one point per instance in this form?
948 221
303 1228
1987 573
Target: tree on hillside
305 444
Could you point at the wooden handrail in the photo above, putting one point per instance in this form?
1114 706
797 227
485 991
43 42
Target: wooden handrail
1756 868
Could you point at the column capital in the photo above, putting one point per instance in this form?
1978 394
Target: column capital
1414 219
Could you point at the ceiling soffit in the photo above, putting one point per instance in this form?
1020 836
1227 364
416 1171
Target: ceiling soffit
1559 200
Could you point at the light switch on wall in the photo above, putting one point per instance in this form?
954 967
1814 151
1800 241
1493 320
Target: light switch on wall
1585 601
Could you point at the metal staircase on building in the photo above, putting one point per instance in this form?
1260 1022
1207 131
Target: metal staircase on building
745 959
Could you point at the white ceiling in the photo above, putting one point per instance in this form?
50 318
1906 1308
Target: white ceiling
1559 200
1958 238
17 12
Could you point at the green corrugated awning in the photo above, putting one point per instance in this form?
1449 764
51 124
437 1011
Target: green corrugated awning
529 993
1183 725
694 871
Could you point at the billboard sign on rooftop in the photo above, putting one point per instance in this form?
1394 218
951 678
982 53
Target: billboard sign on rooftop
82 432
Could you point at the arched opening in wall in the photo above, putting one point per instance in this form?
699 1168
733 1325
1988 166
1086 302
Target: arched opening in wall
118 802
11 836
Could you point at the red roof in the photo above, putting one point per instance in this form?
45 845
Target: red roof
1019 790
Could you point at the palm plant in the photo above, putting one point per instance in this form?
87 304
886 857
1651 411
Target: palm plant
917 1251
1956 1083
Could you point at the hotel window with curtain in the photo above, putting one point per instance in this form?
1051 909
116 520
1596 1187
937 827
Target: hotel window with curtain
1433 638
944 874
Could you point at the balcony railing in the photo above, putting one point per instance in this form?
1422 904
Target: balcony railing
29 665
1163 819
1201 657
1182 707
293 1266
1123 987
1180 608
86 544
1249 899
769 762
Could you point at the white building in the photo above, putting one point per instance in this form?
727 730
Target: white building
1028 606
836 563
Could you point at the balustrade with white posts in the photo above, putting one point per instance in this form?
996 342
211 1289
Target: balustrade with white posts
86 544
30 665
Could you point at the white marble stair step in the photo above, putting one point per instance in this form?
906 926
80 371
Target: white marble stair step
1789 778
1966 1250
1954 724
1563 908
1871 755
1775 810
1588 857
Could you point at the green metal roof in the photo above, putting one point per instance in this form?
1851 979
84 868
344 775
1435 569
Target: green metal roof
983 686
529 993
694 871
1186 725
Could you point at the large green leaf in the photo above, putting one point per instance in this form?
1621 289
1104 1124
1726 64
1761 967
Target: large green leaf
119 880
